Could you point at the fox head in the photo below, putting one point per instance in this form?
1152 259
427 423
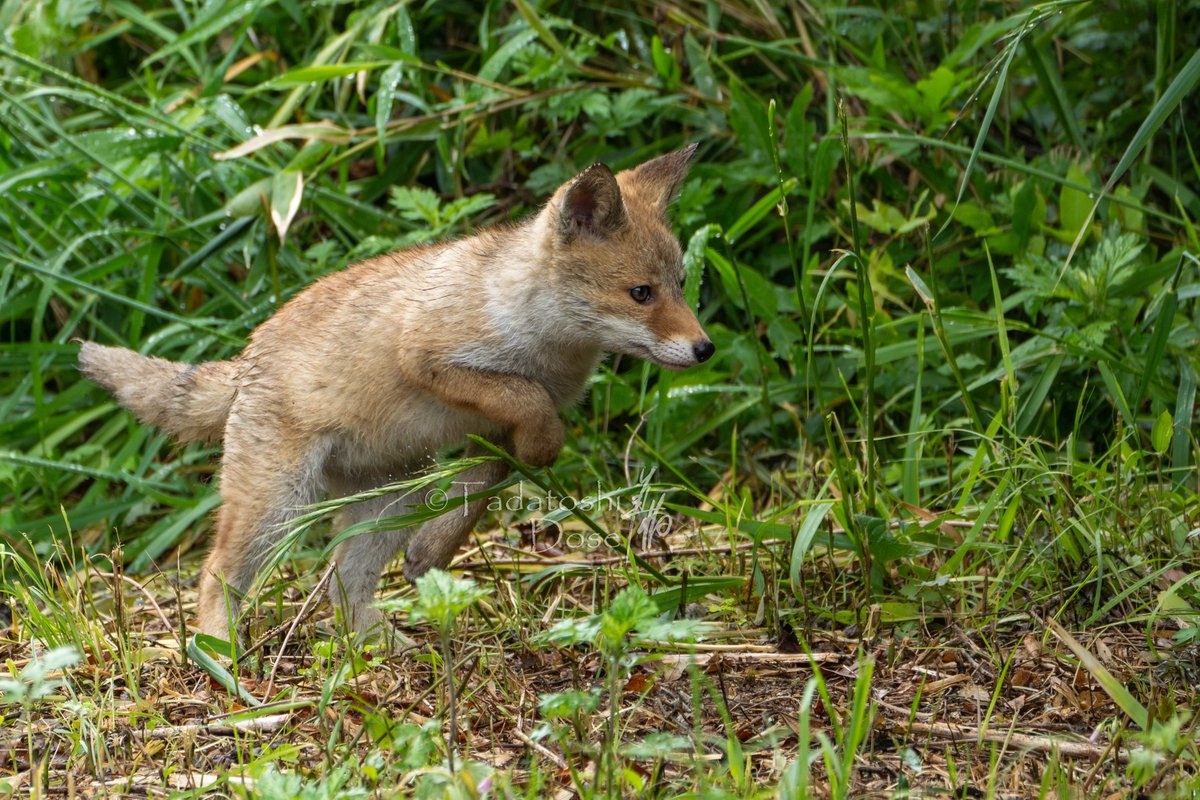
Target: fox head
617 263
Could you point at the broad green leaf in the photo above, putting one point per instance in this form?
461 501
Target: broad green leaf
204 650
325 131
988 116
671 598
1161 433
693 262
166 532
1162 331
248 201
1073 204
495 64
1051 83
215 18
1185 406
760 209
324 72
804 538
702 73
1115 391
664 63
384 98
918 284
287 189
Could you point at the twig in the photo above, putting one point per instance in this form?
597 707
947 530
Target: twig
558 760
734 653
265 724
1042 744
593 562
303 613
162 616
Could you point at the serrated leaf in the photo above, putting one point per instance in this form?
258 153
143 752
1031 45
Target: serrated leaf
441 598
632 106
417 204
936 88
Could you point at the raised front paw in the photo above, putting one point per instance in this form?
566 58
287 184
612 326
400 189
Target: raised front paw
538 445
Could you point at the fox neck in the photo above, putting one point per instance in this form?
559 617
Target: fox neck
530 326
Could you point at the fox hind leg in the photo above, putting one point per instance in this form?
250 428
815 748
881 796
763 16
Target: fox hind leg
362 559
439 538
265 484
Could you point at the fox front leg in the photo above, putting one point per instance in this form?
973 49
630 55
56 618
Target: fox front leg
522 408
538 444
441 537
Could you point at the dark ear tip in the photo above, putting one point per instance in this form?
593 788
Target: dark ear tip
598 168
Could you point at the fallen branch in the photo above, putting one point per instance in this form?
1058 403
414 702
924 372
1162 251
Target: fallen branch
1023 741
267 724
732 654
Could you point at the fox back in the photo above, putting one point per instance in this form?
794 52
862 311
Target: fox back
597 270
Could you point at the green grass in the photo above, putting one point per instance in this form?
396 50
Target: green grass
934 499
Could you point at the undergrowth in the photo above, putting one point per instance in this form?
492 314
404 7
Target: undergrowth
942 468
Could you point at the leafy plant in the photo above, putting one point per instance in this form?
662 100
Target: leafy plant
35 683
630 618
440 600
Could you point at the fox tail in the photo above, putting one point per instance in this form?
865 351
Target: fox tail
188 401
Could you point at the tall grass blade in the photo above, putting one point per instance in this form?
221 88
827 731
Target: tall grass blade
1180 88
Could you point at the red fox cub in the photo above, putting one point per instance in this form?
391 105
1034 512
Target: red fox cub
360 379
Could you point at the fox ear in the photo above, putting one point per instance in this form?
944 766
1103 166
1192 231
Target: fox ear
591 203
660 178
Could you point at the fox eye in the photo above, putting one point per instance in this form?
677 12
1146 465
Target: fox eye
640 294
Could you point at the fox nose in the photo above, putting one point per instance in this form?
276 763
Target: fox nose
703 351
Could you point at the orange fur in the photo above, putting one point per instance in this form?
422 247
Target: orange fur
365 375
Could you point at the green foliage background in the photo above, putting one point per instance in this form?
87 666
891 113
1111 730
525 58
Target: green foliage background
933 318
